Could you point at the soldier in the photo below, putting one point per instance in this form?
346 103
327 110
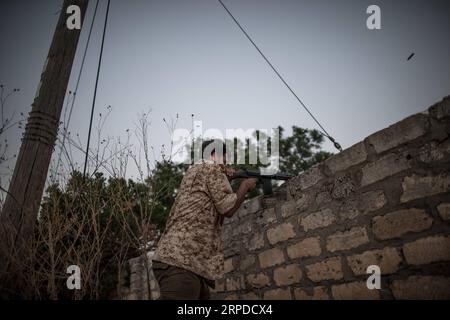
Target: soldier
189 258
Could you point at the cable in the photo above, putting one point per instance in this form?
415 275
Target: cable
325 133
95 90
76 86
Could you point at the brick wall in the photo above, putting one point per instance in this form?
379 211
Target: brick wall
384 201
138 281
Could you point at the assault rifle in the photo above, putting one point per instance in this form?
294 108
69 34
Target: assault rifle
265 179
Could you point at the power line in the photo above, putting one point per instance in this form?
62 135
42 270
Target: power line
95 90
325 133
77 84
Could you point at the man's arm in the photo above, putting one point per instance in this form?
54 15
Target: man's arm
246 186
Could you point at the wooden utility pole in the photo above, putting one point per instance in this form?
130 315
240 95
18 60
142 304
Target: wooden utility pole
20 210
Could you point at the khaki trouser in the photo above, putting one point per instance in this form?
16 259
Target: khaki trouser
179 284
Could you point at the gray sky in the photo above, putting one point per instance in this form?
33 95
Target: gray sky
188 57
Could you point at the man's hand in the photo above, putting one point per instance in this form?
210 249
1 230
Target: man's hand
250 183
246 186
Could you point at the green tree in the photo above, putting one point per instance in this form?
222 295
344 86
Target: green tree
95 223
165 181
301 150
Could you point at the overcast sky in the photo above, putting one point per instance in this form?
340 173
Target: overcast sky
188 57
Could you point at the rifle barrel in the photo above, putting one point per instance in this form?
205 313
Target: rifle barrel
256 174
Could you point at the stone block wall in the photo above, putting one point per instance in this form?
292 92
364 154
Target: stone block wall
139 282
384 201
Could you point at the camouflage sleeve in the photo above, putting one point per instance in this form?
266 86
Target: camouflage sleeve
220 190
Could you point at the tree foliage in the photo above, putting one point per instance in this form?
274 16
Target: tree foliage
301 150
98 223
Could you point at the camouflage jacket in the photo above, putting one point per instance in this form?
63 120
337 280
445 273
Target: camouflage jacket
192 237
